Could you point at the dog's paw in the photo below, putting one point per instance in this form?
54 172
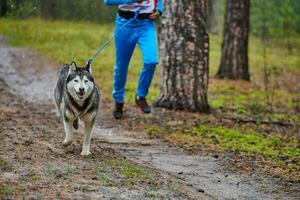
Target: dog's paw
85 153
67 142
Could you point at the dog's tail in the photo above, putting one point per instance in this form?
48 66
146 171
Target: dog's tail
75 123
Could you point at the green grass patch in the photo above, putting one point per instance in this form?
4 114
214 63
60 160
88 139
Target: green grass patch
130 171
247 98
120 172
284 117
250 141
274 146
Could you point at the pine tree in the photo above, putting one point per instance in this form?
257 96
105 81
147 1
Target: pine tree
234 60
184 46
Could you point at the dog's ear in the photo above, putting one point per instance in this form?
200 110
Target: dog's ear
72 67
88 67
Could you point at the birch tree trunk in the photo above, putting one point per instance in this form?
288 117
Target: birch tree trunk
234 60
184 46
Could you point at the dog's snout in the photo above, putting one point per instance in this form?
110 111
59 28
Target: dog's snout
81 89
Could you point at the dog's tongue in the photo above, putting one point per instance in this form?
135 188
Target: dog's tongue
81 94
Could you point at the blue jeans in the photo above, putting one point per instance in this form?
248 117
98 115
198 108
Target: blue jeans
143 33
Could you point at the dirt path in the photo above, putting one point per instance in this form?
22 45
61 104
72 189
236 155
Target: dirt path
34 163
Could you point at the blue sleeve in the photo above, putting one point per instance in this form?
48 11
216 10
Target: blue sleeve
160 6
118 2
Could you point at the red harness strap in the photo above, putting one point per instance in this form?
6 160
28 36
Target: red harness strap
155 4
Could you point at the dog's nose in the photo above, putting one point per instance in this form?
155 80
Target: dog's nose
81 89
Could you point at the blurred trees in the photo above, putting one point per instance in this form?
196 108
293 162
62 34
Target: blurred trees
212 16
283 16
234 60
86 10
3 7
49 8
282 20
184 46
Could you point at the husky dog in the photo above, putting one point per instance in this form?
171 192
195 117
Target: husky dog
77 97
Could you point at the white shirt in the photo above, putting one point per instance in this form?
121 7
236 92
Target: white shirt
144 7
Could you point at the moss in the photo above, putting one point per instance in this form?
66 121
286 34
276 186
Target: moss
187 141
294 118
243 111
225 94
130 170
274 146
119 172
217 103
250 141
153 132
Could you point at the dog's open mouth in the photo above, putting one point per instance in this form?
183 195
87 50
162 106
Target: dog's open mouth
80 95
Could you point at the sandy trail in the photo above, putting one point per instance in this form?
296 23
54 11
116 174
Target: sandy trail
31 79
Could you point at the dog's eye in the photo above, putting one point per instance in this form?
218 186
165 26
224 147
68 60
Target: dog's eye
86 81
76 81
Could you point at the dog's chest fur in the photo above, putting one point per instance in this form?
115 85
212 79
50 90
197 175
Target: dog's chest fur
82 109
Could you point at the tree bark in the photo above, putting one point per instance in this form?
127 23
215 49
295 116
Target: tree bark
212 9
3 7
234 60
184 46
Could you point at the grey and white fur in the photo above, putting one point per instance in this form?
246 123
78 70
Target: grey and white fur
77 98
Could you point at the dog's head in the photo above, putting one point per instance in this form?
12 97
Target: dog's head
80 82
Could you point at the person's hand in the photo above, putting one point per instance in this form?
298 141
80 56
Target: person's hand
155 15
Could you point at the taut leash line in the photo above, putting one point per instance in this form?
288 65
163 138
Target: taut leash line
89 62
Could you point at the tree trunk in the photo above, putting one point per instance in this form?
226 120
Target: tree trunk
3 7
184 46
212 10
234 61
48 9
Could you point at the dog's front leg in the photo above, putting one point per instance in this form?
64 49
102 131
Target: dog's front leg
88 127
68 130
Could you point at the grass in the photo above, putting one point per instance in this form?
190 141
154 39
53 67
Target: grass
120 172
249 98
281 150
66 41
242 139
274 145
